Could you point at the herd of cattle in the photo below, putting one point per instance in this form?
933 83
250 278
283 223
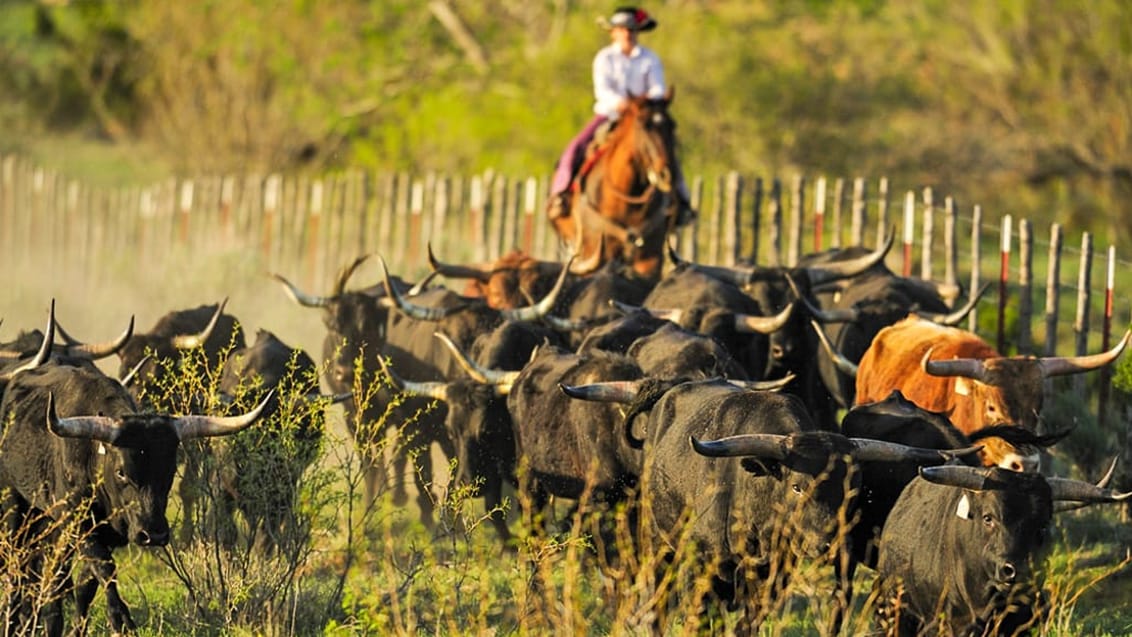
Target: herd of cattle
832 403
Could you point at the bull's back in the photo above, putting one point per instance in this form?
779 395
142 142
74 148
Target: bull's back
893 360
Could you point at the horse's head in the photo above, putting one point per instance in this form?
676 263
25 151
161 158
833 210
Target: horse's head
652 134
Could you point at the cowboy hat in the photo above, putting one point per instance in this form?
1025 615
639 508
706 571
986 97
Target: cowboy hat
630 18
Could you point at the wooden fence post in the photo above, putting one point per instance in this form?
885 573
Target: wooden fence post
929 239
314 221
1084 294
882 211
756 219
732 233
1053 290
530 202
909 229
950 252
416 210
774 234
1106 339
797 205
688 238
976 263
498 208
859 212
1025 298
185 207
476 222
838 201
715 225
819 213
265 223
1003 274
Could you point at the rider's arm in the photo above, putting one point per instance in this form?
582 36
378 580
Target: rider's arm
608 93
654 76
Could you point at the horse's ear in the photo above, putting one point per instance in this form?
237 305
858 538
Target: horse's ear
669 93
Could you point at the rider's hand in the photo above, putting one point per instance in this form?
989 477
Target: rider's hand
623 105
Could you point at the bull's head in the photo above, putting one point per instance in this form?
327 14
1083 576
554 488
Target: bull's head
136 458
1004 516
1009 389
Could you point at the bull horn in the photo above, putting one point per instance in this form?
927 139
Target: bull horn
477 373
672 316
421 285
964 477
300 297
766 446
763 385
101 428
96 351
44 351
672 254
850 267
953 318
543 307
1062 365
128 379
869 450
1103 482
616 391
846 315
479 273
559 324
345 273
189 427
735 276
418 312
191 341
972 368
433 389
763 324
1062 507
1079 491
844 365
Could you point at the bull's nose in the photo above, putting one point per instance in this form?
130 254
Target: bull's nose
777 351
152 538
1007 572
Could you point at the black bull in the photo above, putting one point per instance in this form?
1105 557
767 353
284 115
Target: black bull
986 529
74 447
782 478
260 469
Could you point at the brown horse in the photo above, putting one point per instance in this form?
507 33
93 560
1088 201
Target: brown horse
622 202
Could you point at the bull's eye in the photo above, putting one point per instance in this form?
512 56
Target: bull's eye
796 488
988 520
121 475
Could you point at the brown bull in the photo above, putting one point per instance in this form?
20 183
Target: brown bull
945 369
511 281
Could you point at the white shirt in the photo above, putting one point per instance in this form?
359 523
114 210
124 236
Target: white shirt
617 75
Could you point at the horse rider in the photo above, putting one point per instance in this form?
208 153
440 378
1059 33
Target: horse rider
621 69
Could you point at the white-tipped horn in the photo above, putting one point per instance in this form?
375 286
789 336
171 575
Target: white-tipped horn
189 427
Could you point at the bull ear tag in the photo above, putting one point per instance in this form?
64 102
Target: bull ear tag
101 449
963 510
962 387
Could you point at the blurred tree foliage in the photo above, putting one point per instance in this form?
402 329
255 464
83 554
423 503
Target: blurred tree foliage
1023 106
